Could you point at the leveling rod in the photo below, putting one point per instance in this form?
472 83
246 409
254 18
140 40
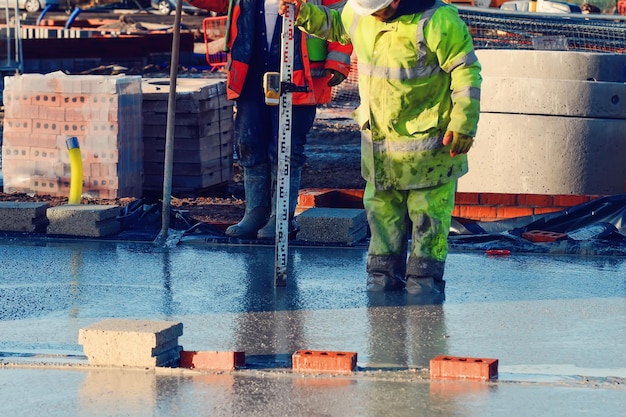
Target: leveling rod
278 91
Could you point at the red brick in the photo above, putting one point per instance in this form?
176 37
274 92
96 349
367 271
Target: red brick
18 125
498 199
444 366
73 100
16 138
46 99
44 185
323 361
544 210
543 236
16 152
535 200
21 110
570 200
51 113
43 140
44 154
456 211
466 198
77 114
313 197
478 212
47 127
212 360
108 156
103 183
15 98
74 128
511 212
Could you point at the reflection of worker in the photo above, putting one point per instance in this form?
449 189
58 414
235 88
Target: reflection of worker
253 41
419 82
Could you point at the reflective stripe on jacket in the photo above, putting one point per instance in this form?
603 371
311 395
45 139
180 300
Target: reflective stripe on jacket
418 77
239 41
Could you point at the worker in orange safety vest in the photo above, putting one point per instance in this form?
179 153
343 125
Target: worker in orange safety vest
253 43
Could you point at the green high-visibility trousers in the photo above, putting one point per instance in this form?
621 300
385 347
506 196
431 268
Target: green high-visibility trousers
390 213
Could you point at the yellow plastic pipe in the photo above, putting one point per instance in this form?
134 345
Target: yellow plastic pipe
76 169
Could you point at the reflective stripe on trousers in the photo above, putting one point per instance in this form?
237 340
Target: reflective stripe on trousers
429 210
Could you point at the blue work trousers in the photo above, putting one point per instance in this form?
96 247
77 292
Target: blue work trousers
256 131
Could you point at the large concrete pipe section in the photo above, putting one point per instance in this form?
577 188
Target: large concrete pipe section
552 122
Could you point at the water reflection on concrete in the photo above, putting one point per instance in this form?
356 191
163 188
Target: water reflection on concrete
556 323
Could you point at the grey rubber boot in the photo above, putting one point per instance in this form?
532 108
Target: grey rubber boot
256 182
269 230
385 272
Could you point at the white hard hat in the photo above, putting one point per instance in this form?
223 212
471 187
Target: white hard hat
367 7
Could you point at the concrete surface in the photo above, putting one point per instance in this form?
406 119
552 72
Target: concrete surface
557 325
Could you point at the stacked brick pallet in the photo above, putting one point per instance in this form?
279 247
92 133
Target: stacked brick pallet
203 135
42 111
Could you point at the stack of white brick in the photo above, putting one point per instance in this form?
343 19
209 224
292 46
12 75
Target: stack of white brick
103 112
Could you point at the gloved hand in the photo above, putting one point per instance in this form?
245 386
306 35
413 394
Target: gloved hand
282 7
336 79
460 143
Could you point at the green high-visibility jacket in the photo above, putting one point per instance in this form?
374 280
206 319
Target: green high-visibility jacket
418 78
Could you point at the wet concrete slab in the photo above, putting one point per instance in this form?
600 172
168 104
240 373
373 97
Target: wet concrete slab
557 325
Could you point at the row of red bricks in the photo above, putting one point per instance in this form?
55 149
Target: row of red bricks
110 126
441 367
475 206
96 187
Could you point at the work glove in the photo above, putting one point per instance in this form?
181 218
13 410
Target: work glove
460 143
336 79
282 7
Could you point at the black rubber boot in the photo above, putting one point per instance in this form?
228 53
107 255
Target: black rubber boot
269 230
256 182
385 272
424 285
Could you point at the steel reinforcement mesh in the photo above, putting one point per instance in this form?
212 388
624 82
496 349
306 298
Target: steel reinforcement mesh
497 29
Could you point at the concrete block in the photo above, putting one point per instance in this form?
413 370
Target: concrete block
91 220
186 88
23 216
461 367
332 225
533 154
555 65
574 98
131 343
212 360
324 361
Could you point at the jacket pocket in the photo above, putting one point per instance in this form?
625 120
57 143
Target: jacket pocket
426 121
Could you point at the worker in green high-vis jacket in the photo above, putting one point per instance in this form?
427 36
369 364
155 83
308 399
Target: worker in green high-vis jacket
419 84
